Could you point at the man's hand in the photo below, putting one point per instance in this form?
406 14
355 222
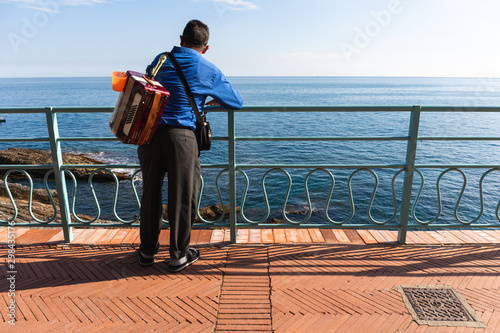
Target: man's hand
213 102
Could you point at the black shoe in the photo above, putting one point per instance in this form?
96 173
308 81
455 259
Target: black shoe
144 261
192 256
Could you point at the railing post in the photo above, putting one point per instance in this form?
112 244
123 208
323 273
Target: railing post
232 175
411 151
57 162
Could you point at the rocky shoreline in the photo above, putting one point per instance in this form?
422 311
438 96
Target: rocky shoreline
29 156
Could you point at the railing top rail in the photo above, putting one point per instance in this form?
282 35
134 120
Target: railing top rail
6 110
326 108
460 109
270 108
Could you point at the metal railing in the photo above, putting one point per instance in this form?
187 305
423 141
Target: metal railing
402 214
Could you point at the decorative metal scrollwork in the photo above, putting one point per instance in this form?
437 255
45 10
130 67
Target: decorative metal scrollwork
30 199
459 200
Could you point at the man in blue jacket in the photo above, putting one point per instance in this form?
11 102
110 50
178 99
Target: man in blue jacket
174 149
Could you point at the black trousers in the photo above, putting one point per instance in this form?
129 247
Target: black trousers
173 151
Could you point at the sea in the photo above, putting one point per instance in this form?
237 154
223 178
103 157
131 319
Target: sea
307 186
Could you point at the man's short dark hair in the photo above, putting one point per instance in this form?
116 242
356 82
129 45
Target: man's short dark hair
196 34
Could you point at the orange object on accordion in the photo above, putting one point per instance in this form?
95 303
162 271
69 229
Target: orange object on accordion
139 109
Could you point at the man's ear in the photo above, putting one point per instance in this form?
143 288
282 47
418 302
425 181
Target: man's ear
182 40
205 49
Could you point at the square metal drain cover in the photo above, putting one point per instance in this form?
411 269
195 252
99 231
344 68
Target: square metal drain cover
438 306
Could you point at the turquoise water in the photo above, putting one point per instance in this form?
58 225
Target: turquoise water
348 91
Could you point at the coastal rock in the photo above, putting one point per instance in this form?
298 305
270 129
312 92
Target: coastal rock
209 213
40 207
42 157
19 191
299 212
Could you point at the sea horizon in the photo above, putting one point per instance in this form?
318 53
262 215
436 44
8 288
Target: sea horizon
281 76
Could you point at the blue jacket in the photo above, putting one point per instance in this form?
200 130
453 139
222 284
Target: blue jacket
204 79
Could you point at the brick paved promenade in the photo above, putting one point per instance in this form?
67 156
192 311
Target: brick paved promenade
272 281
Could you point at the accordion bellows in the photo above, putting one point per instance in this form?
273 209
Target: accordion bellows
139 109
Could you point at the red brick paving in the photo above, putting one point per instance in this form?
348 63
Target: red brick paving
339 281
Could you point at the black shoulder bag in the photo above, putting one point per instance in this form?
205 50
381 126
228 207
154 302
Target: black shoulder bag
203 131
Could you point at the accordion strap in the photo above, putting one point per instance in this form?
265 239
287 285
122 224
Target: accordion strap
185 84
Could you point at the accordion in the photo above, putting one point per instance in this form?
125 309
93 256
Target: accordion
139 109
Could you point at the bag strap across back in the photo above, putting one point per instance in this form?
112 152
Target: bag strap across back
185 84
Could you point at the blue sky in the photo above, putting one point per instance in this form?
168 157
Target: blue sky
42 38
